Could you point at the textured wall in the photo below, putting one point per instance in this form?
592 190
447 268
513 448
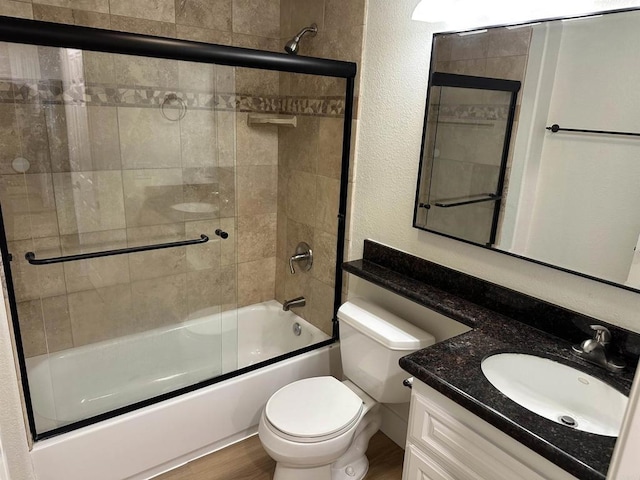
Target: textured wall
392 101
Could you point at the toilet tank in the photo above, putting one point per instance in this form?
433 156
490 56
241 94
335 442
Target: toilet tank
372 340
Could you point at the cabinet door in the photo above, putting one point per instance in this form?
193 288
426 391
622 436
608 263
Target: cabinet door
418 466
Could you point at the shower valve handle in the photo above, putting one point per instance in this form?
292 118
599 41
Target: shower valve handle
303 256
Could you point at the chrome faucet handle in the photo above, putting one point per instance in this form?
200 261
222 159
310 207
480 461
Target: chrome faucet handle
602 334
303 255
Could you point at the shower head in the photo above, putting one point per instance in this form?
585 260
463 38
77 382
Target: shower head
292 45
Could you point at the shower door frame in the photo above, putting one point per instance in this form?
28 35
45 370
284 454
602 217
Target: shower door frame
34 32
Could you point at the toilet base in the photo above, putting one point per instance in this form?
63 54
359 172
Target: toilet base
356 470
284 472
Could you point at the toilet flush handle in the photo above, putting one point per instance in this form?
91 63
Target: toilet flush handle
408 382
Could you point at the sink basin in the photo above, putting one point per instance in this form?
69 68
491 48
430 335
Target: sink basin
557 392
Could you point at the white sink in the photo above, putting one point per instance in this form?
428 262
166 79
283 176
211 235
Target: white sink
557 392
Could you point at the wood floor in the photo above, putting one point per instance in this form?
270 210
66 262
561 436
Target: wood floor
248 461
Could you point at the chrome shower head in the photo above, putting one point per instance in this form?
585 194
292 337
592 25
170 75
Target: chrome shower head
292 46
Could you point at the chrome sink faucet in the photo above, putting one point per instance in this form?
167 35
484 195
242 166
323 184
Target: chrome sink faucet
595 350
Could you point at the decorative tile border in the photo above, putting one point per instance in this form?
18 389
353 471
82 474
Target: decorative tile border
469 112
56 92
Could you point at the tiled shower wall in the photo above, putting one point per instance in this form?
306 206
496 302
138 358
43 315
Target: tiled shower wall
116 294
310 156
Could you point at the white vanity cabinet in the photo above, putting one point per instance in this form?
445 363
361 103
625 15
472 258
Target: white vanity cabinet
447 442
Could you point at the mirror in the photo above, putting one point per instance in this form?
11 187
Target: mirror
554 177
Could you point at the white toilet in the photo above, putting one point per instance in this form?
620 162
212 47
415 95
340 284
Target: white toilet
319 428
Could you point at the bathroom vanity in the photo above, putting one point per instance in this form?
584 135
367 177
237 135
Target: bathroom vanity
461 426
446 441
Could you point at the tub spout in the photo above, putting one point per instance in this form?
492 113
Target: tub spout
294 302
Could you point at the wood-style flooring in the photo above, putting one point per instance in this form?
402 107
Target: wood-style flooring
247 460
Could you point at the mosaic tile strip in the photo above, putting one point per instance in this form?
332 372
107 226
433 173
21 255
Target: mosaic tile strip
469 112
56 92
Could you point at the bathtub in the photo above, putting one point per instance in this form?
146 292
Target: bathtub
90 380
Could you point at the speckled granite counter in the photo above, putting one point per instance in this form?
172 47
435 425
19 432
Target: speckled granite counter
502 320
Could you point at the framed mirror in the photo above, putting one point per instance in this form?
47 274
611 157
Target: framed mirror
551 175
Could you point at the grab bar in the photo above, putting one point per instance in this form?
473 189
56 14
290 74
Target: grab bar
557 128
456 202
31 257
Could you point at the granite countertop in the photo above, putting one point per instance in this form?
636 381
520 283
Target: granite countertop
452 367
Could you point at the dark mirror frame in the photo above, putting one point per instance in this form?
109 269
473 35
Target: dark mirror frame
430 84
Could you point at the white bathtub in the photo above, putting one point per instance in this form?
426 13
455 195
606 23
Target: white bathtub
89 380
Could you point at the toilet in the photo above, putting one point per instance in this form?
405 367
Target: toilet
319 428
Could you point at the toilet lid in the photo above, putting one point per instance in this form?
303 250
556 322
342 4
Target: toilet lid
313 407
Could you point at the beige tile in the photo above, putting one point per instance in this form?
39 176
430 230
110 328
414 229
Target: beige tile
228 248
98 272
228 286
33 142
341 43
256 281
148 140
187 32
9 138
36 281
256 237
28 206
92 19
476 67
211 14
338 13
89 201
157 263
255 82
101 6
281 233
146 71
296 233
257 17
469 47
34 340
159 10
504 42
300 146
66 145
145 27
257 189
257 42
57 323
302 13
196 77
150 195
301 202
198 139
282 270
52 14
255 145
160 301
101 314
17 9
330 147
203 290
226 137
327 203
206 255
99 67
324 257
321 306
104 138
510 68
227 191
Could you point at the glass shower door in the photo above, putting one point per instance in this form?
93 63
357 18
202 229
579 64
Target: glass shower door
114 153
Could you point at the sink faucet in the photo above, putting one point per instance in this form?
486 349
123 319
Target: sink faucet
594 350
294 302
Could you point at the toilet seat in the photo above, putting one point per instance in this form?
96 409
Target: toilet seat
313 409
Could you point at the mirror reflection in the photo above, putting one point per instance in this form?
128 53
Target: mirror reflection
571 177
